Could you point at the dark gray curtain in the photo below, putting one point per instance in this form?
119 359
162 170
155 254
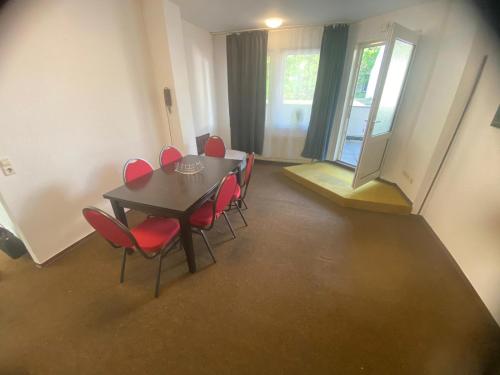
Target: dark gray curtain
326 93
246 69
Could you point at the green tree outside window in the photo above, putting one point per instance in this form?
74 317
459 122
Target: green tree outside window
301 71
367 62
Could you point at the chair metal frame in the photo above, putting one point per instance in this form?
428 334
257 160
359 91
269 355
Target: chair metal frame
201 231
247 182
162 252
244 189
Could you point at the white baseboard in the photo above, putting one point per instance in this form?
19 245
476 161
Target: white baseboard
279 160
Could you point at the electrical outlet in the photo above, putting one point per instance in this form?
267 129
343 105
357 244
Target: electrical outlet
7 168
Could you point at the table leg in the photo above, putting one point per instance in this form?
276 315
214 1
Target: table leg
119 212
187 242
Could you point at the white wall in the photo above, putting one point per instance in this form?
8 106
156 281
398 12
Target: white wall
164 36
76 99
176 45
200 68
159 56
437 106
5 219
464 206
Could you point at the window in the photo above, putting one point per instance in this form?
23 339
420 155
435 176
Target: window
300 74
292 67
291 80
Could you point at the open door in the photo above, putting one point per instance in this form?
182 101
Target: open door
398 55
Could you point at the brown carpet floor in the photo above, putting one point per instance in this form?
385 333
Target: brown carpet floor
307 288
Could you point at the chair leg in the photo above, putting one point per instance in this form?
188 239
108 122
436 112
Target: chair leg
244 203
229 224
241 214
122 274
157 288
203 234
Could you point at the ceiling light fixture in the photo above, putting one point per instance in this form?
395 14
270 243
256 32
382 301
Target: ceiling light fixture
274 23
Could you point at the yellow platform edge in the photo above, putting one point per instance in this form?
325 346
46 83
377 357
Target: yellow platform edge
402 209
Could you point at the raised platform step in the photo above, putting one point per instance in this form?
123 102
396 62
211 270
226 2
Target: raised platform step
334 182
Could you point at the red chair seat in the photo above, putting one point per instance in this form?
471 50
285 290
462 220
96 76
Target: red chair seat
202 217
237 193
155 232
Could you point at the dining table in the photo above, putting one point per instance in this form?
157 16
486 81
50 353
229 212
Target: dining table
168 192
237 155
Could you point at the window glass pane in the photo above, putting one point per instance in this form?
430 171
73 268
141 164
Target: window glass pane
300 78
396 75
292 80
366 81
369 68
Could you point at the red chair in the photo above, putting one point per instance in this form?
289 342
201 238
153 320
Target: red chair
168 155
204 218
215 147
135 168
241 191
154 237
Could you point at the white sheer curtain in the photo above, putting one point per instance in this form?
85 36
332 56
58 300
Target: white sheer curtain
293 57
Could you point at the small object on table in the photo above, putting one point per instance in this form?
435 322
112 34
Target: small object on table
191 167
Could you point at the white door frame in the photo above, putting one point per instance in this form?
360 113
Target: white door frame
351 90
397 32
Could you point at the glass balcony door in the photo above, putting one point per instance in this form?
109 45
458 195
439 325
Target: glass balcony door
398 54
366 74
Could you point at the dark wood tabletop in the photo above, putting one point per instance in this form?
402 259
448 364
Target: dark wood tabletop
168 193
172 191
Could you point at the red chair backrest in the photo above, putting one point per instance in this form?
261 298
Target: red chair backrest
249 167
215 147
169 154
225 192
135 168
108 227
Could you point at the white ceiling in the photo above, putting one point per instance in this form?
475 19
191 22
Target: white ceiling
232 15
